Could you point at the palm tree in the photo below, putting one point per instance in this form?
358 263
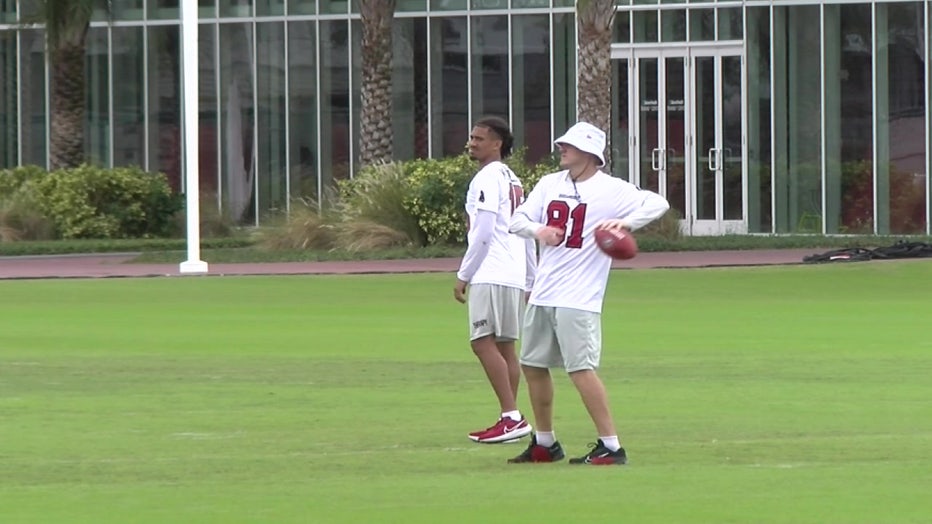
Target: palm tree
376 115
594 39
66 26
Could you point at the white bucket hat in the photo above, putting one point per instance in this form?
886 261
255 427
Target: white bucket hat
585 137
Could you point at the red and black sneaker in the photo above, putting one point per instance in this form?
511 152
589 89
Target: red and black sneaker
599 455
505 430
536 453
474 436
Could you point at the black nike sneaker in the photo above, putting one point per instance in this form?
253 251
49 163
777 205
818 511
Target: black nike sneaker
599 455
537 453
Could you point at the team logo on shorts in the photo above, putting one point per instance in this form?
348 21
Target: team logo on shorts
480 323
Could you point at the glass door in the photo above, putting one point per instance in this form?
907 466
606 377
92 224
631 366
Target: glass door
718 196
680 112
659 113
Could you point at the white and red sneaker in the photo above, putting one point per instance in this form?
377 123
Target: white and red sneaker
505 430
474 436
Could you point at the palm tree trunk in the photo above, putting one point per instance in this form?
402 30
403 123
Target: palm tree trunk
376 143
594 99
67 100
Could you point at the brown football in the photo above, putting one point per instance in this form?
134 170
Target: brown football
618 244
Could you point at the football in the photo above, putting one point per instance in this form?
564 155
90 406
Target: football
618 244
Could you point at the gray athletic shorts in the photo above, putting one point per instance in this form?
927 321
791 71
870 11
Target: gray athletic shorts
561 338
495 310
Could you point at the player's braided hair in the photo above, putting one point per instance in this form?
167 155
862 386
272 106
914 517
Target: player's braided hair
501 129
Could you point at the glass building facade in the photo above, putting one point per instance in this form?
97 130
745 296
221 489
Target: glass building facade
750 116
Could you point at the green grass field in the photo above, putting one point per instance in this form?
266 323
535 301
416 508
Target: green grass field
757 395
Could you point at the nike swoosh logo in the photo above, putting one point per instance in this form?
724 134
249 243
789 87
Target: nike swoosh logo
589 459
516 427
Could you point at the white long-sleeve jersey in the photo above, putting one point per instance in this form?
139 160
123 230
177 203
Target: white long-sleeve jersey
493 255
574 273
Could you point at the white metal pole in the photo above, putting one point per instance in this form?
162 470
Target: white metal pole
193 264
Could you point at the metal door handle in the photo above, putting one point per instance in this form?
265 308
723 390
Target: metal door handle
655 159
715 159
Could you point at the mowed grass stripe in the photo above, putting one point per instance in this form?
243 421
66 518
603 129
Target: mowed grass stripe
795 394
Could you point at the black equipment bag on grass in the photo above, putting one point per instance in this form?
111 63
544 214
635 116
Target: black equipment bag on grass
901 249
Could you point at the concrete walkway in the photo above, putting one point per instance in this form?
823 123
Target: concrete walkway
117 265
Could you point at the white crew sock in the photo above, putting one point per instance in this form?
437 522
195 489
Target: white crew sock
513 415
611 442
545 438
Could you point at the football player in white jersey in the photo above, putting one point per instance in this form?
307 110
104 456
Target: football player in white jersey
498 268
562 326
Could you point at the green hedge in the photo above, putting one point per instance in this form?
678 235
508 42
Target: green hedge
13 181
93 202
121 245
437 191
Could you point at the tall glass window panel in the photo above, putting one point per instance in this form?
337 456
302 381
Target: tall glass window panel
34 124
531 85
97 91
490 65
32 90
648 114
128 10
701 25
237 132
7 11
164 9
621 27
798 110
673 25
165 102
449 86
411 5
448 5
128 97
732 152
901 108
302 109
645 26
674 153
302 7
272 140
333 6
621 125
759 185
730 23
477 5
270 7
237 8
849 137
206 8
705 139
208 107
409 86
564 72
335 102
355 80
9 143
